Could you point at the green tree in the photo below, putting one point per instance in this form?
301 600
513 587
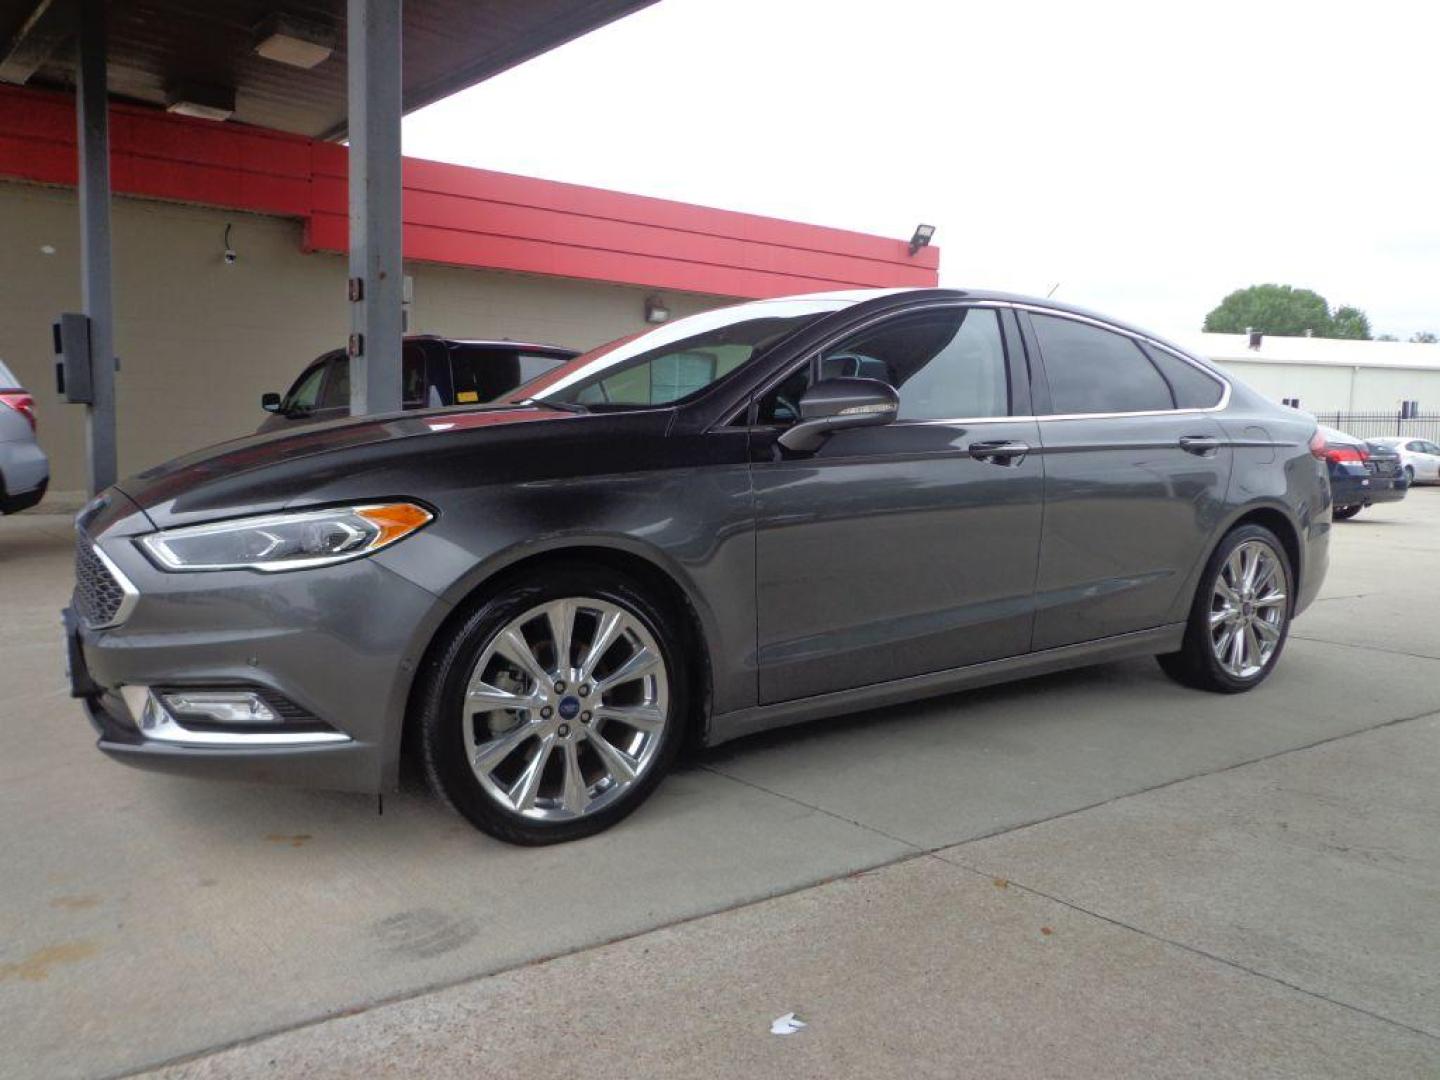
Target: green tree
1285 311
1349 322
1424 337
1271 309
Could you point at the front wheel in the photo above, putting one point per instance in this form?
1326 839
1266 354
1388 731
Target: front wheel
1409 474
555 709
1345 513
1240 619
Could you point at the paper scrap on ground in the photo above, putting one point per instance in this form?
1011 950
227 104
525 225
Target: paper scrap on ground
786 1025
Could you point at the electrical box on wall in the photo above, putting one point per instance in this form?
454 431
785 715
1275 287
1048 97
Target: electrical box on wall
72 359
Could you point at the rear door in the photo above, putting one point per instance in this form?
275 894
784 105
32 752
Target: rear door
1136 472
905 549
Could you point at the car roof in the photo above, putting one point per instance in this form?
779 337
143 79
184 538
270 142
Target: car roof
502 343
857 296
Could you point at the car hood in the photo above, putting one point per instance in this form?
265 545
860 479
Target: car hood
265 472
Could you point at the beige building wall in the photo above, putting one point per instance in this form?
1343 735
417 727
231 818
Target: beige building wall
199 340
1335 388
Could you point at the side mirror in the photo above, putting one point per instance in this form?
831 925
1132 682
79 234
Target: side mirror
833 404
270 402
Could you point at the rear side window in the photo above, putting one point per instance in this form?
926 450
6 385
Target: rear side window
483 373
1091 370
1193 389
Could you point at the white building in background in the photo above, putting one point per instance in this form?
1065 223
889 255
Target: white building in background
1327 374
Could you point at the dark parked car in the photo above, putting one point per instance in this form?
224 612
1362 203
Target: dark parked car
1361 473
24 468
759 515
435 371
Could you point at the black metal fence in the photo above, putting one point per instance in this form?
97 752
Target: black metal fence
1370 424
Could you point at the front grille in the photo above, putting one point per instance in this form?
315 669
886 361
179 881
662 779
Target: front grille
98 595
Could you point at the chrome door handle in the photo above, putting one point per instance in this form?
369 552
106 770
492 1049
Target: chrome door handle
999 452
1200 445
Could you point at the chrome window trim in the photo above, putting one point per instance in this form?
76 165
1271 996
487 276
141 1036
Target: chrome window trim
1219 406
131 595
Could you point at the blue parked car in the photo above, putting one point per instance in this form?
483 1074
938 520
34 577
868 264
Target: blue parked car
1361 473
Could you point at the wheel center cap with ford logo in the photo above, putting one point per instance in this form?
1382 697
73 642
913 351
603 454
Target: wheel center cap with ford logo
569 708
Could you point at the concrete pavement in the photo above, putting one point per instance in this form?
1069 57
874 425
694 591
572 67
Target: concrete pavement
148 918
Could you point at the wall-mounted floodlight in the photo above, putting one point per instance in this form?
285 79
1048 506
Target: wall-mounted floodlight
922 237
201 100
288 39
656 310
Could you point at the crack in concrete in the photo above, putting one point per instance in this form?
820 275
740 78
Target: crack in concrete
1365 648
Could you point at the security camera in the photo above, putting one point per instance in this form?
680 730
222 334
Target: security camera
230 256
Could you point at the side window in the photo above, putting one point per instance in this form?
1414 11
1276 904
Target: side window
1092 370
483 373
337 386
1416 447
1193 389
945 364
305 394
413 391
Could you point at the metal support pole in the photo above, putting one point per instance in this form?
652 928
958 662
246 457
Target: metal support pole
92 120
376 264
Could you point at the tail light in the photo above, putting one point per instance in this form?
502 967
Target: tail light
1346 453
21 402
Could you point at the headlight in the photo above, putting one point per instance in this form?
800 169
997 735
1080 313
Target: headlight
286 541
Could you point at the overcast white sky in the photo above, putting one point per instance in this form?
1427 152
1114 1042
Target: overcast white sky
1148 157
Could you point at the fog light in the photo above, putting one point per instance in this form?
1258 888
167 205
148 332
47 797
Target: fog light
220 707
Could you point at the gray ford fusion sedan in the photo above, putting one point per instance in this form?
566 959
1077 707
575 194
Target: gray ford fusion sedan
769 513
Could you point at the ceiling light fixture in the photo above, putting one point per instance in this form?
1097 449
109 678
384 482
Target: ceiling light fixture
289 39
656 310
201 100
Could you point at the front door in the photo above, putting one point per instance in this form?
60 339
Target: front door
906 549
1136 472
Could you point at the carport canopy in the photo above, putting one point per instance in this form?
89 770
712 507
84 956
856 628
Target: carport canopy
322 68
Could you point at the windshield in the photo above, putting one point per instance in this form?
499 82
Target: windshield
673 362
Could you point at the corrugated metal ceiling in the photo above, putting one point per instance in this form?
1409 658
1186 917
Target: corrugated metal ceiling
448 45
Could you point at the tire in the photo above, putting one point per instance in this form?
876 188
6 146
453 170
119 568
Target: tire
1198 664
1409 475
517 800
1345 513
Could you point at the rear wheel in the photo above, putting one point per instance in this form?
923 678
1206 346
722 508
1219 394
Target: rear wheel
556 708
1345 513
1240 619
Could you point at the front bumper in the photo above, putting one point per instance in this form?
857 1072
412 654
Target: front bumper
340 644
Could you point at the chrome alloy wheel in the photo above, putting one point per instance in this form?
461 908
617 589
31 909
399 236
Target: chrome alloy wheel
565 708
1248 608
